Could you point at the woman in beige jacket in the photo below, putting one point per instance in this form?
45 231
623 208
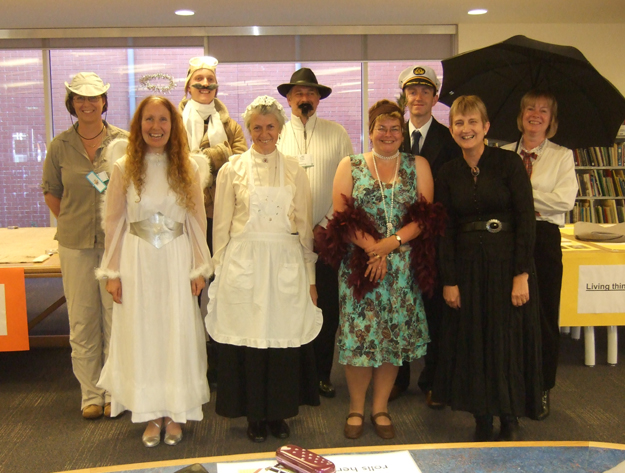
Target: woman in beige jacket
210 129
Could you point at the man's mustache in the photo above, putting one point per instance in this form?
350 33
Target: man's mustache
205 87
306 108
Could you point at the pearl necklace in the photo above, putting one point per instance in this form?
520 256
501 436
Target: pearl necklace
388 215
385 158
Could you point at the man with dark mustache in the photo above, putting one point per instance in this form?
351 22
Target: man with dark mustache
210 130
320 145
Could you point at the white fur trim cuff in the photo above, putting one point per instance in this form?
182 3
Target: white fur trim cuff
204 270
101 273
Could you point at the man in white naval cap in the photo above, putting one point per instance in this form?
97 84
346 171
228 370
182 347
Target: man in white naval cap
424 136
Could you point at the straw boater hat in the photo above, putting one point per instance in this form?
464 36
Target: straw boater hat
419 75
87 84
307 78
197 63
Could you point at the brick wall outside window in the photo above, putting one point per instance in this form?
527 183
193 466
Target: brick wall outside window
22 117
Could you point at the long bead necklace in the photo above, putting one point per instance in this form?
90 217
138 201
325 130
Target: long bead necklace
388 215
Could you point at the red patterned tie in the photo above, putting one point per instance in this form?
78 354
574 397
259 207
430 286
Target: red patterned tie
528 161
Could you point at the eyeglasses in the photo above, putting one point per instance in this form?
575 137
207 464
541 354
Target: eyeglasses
395 130
81 99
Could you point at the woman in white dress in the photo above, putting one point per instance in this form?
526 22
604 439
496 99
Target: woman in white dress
156 260
262 307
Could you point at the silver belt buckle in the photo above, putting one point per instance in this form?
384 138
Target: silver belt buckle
493 225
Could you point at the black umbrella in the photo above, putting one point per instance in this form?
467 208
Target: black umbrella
590 108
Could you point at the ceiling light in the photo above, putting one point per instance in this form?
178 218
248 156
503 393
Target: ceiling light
478 11
185 12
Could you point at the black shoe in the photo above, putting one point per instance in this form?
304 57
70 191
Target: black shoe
544 407
509 430
326 389
483 428
257 431
279 429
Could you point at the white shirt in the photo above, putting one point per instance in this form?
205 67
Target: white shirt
554 182
328 142
232 203
423 130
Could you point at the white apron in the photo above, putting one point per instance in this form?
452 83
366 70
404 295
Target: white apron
260 297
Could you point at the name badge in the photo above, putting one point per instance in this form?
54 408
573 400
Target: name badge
305 160
96 182
104 177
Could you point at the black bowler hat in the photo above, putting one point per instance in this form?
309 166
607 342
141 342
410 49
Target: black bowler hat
307 78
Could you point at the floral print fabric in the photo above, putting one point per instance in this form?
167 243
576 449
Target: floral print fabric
388 325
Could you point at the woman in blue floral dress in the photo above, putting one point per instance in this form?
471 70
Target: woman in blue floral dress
382 234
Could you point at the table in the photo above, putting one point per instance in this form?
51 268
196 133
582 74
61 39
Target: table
492 457
18 248
578 254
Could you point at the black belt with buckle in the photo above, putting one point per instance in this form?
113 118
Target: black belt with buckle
492 226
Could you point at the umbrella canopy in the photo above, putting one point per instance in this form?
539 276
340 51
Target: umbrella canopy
590 108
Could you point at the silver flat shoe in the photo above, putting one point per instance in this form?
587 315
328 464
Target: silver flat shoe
171 439
152 440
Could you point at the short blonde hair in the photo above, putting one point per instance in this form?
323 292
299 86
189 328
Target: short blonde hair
468 104
531 98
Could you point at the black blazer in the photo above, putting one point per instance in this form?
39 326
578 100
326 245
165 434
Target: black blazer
438 148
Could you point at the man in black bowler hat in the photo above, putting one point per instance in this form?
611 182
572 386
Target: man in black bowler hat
320 145
426 137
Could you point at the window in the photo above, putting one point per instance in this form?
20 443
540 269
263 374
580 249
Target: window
22 139
131 73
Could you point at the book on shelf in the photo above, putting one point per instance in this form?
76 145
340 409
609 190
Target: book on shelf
600 156
601 182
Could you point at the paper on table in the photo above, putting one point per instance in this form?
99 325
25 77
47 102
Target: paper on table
393 462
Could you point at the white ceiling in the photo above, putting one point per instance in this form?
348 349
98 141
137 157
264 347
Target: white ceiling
32 14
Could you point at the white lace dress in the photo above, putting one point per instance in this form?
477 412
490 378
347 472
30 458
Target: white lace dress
157 359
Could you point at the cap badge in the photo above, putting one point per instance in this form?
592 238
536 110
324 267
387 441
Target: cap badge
418 71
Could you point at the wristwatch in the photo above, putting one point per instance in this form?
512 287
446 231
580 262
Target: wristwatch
398 238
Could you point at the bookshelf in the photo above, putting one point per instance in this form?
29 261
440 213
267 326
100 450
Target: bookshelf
601 179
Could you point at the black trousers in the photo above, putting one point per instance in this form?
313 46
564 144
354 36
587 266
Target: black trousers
433 314
548 259
328 302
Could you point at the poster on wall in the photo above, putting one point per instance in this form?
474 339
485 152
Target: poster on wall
13 316
601 289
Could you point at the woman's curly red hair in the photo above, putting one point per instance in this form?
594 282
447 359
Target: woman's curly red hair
179 169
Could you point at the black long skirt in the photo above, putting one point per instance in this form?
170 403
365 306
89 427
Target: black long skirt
265 384
490 351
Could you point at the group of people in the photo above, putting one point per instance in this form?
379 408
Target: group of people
423 246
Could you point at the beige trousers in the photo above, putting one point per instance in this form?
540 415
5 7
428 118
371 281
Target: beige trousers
90 310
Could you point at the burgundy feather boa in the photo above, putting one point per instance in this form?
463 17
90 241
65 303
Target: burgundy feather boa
334 242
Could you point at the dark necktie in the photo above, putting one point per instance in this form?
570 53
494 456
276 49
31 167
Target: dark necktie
416 137
528 161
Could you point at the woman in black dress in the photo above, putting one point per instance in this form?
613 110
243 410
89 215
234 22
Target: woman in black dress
490 345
